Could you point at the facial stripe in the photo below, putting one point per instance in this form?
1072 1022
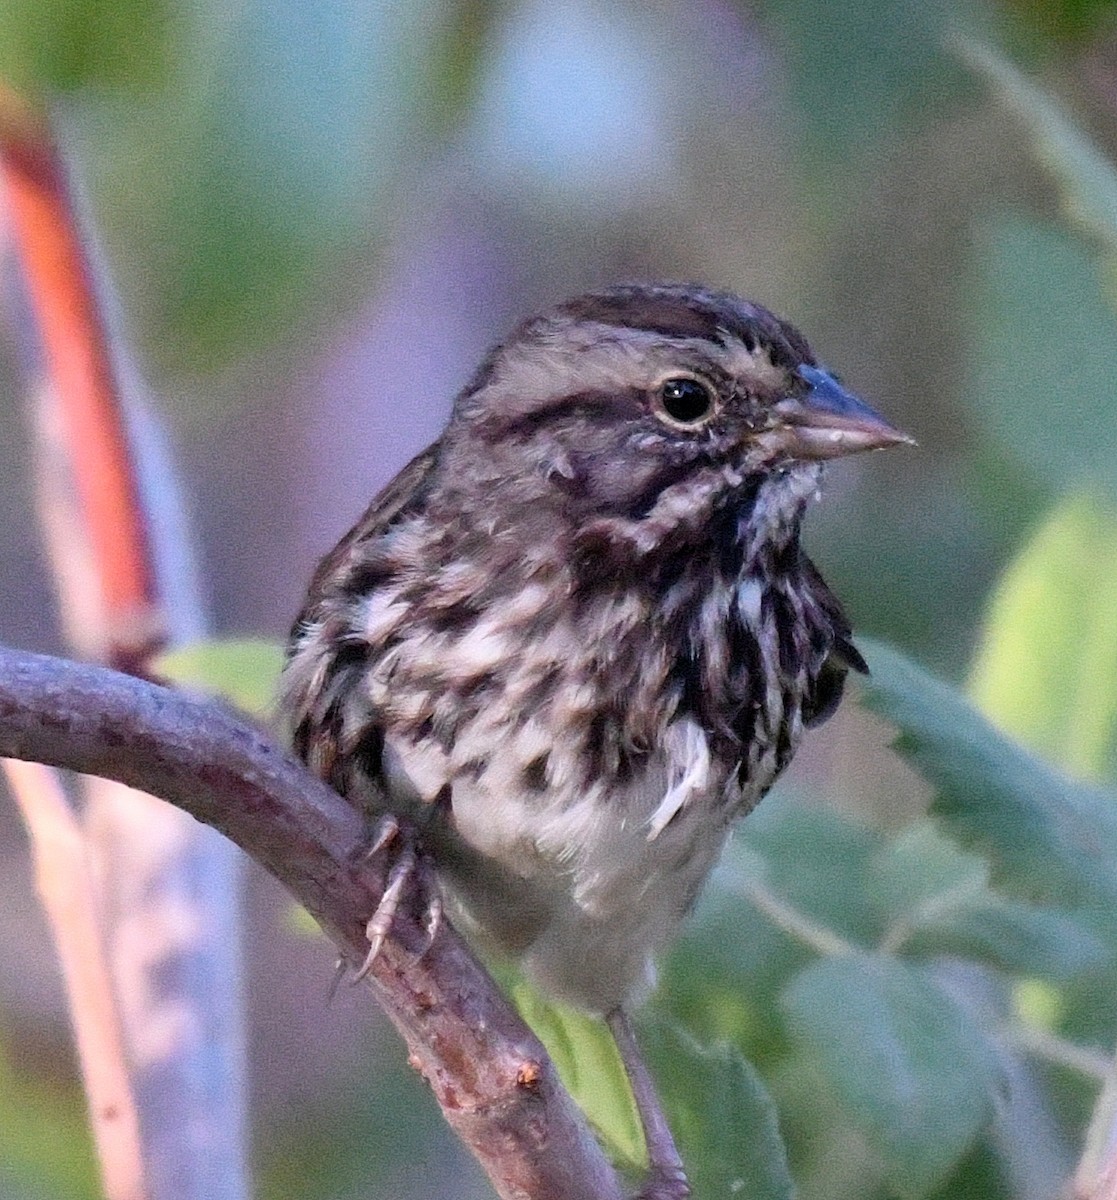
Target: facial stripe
604 406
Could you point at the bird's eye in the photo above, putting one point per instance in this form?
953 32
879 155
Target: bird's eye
685 400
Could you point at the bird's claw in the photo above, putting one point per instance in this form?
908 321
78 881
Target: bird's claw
409 869
670 1186
666 1178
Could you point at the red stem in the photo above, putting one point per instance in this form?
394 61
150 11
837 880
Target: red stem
71 332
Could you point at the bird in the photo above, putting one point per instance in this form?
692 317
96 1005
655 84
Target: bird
577 638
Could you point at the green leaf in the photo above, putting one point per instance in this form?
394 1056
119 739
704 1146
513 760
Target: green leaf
589 1066
722 1116
1020 938
1046 667
722 978
1044 352
939 902
915 1074
244 671
922 869
1085 174
719 1109
813 858
1047 836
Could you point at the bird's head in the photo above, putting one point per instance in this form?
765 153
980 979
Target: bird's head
655 405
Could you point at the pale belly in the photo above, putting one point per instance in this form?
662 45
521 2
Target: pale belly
585 885
577 846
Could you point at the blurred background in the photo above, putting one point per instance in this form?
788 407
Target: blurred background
317 217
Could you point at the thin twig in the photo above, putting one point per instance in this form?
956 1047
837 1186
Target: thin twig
1053 1049
788 918
113 526
69 894
933 908
489 1073
78 363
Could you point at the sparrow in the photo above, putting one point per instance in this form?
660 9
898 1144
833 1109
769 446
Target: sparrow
577 639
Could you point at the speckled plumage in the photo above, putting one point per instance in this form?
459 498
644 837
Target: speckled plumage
577 637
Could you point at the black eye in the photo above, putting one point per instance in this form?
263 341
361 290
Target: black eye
686 400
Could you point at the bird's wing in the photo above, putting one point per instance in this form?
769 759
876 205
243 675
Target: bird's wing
324 661
829 681
338 570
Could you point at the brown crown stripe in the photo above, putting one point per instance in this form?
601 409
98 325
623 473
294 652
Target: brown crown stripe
690 312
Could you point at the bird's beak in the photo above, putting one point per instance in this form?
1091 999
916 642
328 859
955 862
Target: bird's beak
828 422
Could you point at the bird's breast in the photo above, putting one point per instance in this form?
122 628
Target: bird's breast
583 761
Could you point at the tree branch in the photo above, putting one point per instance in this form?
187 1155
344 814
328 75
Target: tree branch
489 1073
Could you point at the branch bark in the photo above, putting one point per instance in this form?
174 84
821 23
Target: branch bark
490 1074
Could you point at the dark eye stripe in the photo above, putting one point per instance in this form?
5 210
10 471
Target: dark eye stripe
604 406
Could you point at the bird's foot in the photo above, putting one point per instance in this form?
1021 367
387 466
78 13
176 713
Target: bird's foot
666 1178
659 1186
409 871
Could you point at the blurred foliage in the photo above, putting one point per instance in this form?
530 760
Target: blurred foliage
914 1073
379 1134
45 1147
245 123
1085 174
859 73
1044 348
1047 664
244 671
1073 20
1048 838
60 45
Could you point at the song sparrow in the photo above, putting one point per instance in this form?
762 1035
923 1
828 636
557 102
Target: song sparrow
576 638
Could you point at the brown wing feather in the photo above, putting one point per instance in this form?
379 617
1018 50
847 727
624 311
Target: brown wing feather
323 662
829 683
338 567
